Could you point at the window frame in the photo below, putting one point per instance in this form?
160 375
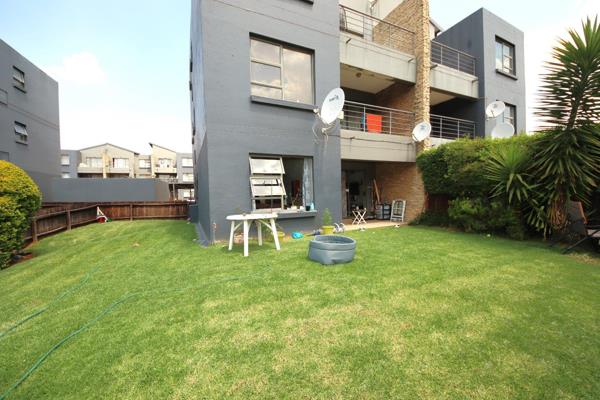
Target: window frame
144 163
120 158
90 164
18 78
188 174
62 158
505 44
21 134
513 119
282 46
65 175
185 164
169 162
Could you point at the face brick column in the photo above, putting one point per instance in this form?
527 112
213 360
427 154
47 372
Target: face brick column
404 181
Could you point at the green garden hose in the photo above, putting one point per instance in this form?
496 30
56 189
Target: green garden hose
106 311
55 300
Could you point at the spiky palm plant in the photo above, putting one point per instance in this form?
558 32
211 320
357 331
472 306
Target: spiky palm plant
567 161
507 167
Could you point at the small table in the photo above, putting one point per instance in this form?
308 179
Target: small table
359 216
246 220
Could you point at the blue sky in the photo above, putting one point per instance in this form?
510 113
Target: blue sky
122 65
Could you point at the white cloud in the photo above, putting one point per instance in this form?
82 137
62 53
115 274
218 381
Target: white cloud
80 68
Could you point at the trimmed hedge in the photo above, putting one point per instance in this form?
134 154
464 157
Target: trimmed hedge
456 169
20 198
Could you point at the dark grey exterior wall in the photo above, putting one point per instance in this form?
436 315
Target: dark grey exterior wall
37 108
229 126
476 35
114 189
74 160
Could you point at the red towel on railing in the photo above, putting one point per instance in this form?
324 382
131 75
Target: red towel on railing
374 123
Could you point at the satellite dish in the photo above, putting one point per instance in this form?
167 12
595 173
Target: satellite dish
495 109
503 130
421 131
332 106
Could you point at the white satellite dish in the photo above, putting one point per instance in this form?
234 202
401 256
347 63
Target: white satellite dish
495 109
332 106
421 131
503 130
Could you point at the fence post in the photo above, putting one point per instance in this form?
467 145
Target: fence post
34 233
131 211
68 220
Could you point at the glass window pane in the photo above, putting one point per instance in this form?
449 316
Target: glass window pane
266 74
498 55
297 80
265 51
266 166
264 91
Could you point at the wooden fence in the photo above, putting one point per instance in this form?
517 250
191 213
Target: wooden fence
57 217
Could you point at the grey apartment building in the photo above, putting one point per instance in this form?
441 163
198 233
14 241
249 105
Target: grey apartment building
29 120
259 68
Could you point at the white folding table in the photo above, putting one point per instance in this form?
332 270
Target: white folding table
359 216
246 221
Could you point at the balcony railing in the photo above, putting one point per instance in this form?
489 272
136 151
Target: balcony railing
376 30
374 119
451 128
456 59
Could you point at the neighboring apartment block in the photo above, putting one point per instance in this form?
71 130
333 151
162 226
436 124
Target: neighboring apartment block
258 69
110 161
29 120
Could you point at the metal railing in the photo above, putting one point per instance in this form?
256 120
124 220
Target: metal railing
456 59
451 128
376 30
374 119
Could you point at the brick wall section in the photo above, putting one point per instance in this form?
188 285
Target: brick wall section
404 181
401 182
400 96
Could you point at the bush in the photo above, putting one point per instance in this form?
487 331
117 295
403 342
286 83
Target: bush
432 218
482 215
20 198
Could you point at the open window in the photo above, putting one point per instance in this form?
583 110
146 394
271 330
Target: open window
281 183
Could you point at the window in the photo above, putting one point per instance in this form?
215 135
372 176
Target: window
144 163
18 78
66 175
21 133
281 72
65 159
281 182
510 115
120 163
94 162
187 162
164 162
188 177
505 57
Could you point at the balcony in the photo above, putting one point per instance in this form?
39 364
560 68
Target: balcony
377 31
371 44
85 169
164 170
452 58
373 133
448 128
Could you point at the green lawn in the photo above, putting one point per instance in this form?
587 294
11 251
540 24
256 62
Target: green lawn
420 313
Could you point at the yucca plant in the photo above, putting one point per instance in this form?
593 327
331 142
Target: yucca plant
567 159
507 168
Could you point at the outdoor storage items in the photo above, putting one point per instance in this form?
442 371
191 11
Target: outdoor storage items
331 249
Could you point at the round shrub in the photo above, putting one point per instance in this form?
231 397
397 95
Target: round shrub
20 198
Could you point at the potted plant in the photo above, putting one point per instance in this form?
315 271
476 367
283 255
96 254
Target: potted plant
327 227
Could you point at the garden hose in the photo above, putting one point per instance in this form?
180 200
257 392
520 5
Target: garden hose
55 300
109 309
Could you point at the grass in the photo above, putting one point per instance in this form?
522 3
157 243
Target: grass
420 313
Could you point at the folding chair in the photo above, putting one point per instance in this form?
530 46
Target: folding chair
578 224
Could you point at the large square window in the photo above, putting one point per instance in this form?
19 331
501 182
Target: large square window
65 159
120 163
94 162
505 57
281 72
